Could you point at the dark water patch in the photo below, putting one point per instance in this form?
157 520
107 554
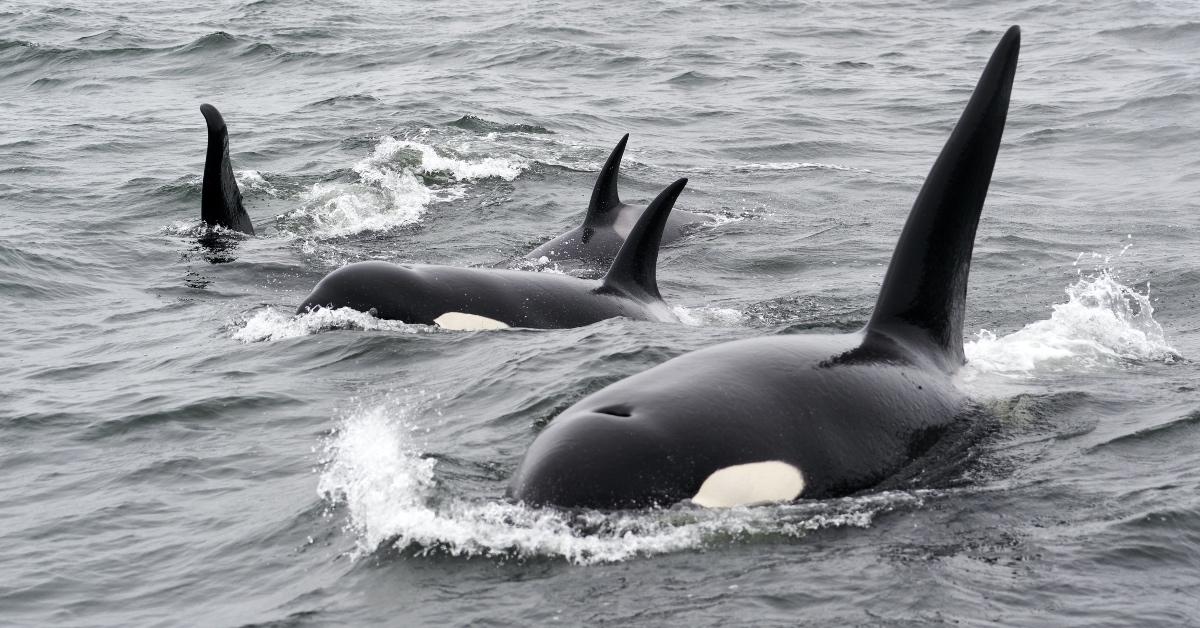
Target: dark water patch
35 422
1150 541
480 125
219 40
175 469
1149 436
9 44
293 619
351 101
694 78
65 12
543 53
77 372
1163 101
261 49
51 83
1041 413
198 414
1155 33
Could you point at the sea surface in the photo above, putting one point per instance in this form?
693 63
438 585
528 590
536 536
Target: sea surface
176 448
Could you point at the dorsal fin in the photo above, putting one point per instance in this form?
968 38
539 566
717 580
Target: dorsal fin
925 288
633 270
604 195
220 198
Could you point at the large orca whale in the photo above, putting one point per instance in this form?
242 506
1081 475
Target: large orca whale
607 222
481 298
797 416
220 198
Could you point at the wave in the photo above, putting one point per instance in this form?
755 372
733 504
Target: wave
482 125
1103 322
395 501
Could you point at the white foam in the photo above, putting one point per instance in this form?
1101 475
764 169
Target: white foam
272 324
253 180
393 498
392 190
504 168
709 316
1102 322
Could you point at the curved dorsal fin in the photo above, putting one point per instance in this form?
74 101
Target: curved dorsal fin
633 270
925 288
604 195
220 198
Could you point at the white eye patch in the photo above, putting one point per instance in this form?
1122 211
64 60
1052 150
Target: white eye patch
753 483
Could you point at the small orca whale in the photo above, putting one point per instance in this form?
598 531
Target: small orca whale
479 298
607 222
220 198
797 416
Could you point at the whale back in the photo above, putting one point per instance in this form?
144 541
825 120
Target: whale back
924 291
634 271
220 198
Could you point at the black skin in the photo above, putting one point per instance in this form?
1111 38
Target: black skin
220 198
421 294
847 417
847 410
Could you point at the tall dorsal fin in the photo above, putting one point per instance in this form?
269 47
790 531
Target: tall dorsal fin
925 288
604 195
633 270
220 198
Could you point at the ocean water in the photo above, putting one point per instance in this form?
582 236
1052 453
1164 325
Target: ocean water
176 448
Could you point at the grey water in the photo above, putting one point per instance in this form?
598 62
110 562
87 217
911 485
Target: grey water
176 448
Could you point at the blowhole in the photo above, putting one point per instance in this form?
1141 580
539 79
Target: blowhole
619 411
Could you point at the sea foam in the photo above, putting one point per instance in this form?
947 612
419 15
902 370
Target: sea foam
396 183
1103 322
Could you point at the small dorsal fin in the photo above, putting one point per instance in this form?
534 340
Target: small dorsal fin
220 198
633 270
604 195
925 288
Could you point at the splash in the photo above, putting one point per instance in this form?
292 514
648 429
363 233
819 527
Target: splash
396 183
272 324
394 499
253 180
1103 322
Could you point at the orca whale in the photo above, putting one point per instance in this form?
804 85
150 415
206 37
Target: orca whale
481 298
607 222
220 198
797 416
